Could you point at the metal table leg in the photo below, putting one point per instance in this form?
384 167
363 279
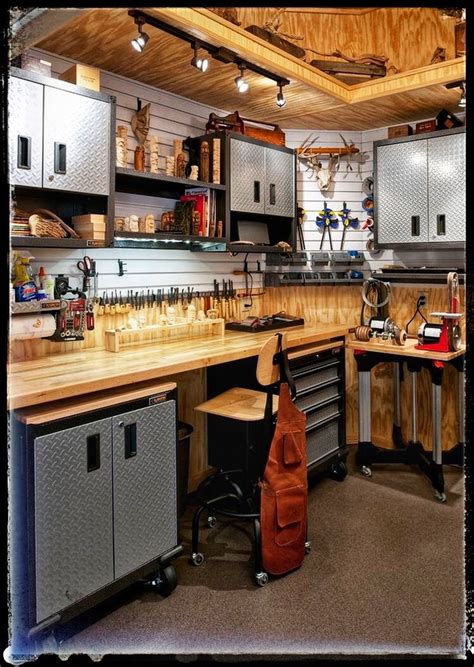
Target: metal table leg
365 414
437 455
414 433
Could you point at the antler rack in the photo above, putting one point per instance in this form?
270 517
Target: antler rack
346 150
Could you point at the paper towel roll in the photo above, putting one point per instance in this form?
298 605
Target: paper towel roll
23 327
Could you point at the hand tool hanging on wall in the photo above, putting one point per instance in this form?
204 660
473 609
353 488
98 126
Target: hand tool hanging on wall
325 220
347 220
444 337
300 223
87 268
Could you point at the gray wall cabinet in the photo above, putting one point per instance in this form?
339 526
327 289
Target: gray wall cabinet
105 502
58 138
262 179
419 192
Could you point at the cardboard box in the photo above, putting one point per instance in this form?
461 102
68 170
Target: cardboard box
89 218
82 75
32 64
425 126
400 131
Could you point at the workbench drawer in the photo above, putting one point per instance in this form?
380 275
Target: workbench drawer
322 441
313 398
316 375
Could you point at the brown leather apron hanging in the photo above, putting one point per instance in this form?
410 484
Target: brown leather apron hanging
284 489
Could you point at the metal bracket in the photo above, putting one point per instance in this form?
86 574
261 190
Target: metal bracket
121 264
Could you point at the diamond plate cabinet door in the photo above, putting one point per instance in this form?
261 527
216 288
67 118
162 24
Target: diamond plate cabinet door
247 182
401 204
25 132
73 515
144 473
76 153
280 183
447 188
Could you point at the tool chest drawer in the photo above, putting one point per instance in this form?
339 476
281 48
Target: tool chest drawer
310 377
320 395
323 440
322 412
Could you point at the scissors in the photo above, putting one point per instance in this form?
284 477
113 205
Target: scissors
86 266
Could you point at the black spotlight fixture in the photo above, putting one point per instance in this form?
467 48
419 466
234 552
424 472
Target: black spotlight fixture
280 100
242 85
141 40
200 63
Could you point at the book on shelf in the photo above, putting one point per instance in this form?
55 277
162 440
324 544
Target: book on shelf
209 206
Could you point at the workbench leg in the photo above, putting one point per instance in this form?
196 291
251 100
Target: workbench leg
365 446
397 429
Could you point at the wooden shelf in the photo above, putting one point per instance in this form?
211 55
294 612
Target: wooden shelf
46 242
134 178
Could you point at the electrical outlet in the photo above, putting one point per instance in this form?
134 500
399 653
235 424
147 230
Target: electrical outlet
423 299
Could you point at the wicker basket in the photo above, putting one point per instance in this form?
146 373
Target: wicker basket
44 223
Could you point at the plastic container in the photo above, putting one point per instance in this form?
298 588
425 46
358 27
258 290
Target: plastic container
184 437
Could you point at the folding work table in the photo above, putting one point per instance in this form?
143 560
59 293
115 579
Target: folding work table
368 355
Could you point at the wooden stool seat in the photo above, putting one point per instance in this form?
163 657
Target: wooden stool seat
238 403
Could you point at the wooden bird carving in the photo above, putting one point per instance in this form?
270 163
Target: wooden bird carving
141 124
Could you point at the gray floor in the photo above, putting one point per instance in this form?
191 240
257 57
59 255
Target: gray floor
385 576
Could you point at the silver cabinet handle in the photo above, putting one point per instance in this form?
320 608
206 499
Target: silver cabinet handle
24 152
59 158
415 225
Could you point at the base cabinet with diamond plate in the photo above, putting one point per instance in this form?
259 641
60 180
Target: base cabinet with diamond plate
97 509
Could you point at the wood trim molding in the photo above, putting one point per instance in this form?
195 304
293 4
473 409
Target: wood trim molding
205 24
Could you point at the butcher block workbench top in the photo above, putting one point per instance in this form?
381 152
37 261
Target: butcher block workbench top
60 376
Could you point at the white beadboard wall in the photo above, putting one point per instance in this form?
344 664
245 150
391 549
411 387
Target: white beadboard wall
173 117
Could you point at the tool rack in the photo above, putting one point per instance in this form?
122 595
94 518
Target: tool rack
318 268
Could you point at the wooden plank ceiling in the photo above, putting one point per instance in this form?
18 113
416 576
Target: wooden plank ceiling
101 38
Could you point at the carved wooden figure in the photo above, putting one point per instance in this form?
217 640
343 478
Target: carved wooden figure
204 157
153 143
170 162
141 124
216 160
180 165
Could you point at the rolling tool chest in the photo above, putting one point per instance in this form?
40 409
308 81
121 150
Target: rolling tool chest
319 378
319 381
94 500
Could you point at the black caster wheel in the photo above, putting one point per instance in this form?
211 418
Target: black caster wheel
307 547
366 471
197 558
261 578
96 657
166 581
338 471
211 521
440 497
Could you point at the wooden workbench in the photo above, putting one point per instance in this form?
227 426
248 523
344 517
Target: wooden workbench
61 376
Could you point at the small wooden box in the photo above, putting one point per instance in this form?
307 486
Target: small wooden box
89 218
425 126
400 131
32 64
82 75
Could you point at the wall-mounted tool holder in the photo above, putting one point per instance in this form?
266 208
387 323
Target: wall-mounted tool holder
332 268
182 328
76 312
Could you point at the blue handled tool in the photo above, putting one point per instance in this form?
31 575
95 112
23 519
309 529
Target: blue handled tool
347 220
325 220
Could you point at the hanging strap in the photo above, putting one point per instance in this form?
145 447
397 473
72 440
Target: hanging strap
285 373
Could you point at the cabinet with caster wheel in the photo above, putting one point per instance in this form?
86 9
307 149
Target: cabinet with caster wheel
96 507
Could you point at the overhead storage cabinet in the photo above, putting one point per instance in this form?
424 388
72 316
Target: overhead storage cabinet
419 191
59 135
262 179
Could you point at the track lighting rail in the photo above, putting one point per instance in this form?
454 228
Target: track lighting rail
219 53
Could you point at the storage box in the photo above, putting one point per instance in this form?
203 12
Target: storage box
32 64
446 120
425 126
89 232
82 75
400 131
90 218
